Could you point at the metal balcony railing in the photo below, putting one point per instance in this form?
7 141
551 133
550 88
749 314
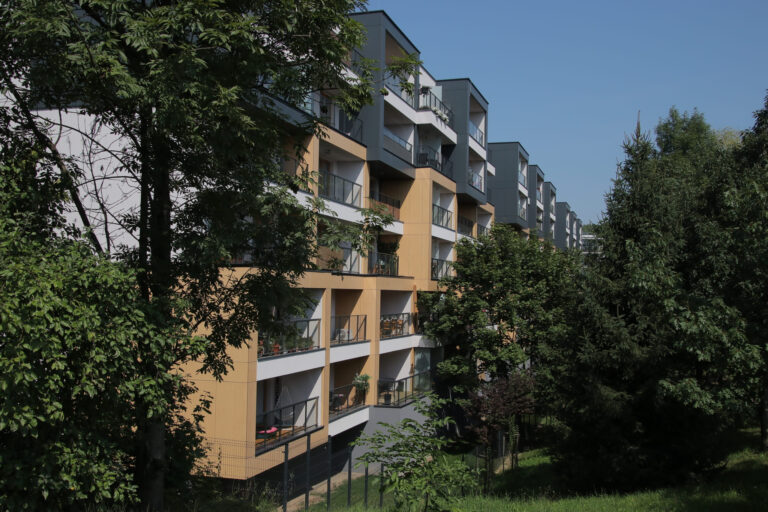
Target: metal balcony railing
523 210
483 230
476 133
465 225
428 101
393 84
538 195
345 399
398 324
397 145
382 264
348 329
400 392
475 179
427 156
339 189
278 426
442 217
391 205
329 113
521 178
301 335
440 268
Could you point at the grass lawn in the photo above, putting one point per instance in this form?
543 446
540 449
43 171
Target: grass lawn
741 486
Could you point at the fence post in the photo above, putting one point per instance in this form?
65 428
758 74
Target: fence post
285 479
330 470
365 493
308 482
349 476
381 485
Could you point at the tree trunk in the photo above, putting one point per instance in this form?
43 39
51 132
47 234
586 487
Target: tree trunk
152 483
764 418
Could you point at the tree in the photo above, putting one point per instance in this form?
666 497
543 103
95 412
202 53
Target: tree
70 326
655 367
501 302
413 463
177 101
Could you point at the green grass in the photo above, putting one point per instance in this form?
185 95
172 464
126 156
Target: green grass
742 486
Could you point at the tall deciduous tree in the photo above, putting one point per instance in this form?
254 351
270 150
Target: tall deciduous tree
174 103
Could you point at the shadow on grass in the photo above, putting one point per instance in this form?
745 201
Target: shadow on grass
742 485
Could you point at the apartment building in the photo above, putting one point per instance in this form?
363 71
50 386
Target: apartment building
422 157
550 217
536 201
563 225
510 185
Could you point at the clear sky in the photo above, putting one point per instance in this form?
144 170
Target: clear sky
568 78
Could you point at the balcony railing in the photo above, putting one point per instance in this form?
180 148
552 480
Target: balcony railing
429 157
523 210
344 260
302 335
428 101
475 179
483 230
332 115
348 329
398 324
345 399
442 217
538 195
382 264
390 205
465 225
476 133
400 392
393 84
339 189
279 426
440 268
521 178
397 145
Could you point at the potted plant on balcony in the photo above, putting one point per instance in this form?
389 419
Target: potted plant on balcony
361 386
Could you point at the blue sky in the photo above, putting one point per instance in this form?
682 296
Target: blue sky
567 79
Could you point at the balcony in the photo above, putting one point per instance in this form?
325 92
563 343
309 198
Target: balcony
398 324
521 178
522 211
382 264
278 426
393 84
538 195
442 217
475 179
302 335
339 189
428 101
397 145
465 225
440 268
476 133
400 392
348 329
483 231
330 114
345 399
429 157
389 204
354 61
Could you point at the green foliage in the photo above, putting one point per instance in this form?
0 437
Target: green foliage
502 302
414 467
655 367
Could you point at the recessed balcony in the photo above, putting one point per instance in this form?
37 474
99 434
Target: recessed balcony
339 189
397 145
348 329
397 324
465 225
383 264
388 204
476 133
442 217
278 426
440 269
400 392
299 336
